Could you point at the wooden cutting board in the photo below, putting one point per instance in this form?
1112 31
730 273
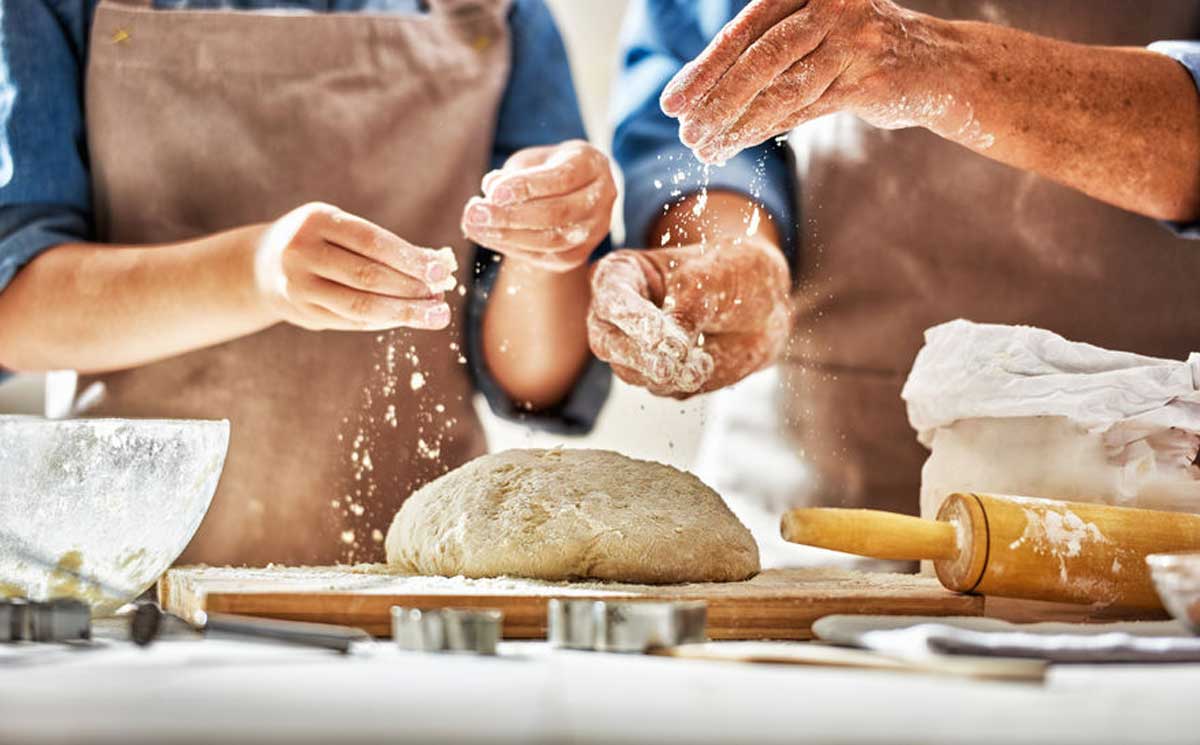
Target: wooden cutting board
777 604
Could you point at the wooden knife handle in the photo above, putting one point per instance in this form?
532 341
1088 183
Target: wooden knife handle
880 535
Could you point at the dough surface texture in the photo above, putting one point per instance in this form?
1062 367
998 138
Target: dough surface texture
571 514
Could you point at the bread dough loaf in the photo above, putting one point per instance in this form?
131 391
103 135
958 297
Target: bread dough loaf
571 514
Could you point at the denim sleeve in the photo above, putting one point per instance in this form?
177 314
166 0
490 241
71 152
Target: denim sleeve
1187 53
45 197
659 38
539 107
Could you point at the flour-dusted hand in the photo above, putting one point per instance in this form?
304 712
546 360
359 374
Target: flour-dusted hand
548 207
687 320
321 268
780 63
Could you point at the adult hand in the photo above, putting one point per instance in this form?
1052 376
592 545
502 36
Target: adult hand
780 63
687 320
548 207
321 268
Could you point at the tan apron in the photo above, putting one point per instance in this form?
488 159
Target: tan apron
200 121
903 230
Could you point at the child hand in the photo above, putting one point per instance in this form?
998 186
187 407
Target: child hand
548 206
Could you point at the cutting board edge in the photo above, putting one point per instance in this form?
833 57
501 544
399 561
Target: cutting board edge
525 614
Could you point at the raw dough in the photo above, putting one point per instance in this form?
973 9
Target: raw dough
571 514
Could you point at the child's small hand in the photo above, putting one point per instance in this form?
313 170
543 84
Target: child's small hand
320 268
548 206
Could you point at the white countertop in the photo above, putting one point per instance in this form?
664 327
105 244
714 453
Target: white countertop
201 691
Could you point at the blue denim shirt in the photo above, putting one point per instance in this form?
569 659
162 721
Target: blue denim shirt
45 194
660 37
1187 53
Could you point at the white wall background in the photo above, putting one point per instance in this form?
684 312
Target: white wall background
633 422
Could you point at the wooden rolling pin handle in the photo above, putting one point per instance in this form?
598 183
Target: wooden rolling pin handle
880 535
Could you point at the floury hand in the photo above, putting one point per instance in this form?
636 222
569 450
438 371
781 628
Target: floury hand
687 320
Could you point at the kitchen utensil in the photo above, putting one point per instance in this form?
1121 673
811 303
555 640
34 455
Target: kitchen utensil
823 655
116 500
615 626
14 620
59 620
31 556
149 621
447 630
1017 547
1177 579
777 604
1058 643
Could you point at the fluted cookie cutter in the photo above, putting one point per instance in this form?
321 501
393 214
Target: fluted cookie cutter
447 630
59 620
630 626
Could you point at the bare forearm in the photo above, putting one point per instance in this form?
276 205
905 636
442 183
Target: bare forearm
724 214
94 307
1119 124
535 334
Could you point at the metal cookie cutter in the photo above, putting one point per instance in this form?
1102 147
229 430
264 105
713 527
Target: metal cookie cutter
60 620
635 626
447 630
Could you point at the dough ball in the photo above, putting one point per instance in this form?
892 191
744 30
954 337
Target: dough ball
571 514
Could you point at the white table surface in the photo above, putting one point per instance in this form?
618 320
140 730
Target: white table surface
222 691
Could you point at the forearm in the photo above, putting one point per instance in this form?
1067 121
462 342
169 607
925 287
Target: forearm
95 307
1119 124
535 334
724 214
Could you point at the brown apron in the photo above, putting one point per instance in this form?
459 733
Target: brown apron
903 230
200 121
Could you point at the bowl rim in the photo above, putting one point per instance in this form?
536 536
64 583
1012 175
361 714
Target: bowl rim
36 418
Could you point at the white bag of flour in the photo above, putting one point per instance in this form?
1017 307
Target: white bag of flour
1020 410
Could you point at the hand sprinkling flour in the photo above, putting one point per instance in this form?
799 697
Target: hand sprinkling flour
784 62
319 267
548 207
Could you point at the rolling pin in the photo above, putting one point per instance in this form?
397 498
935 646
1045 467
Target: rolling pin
1014 547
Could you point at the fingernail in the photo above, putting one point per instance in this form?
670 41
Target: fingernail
437 272
691 133
505 194
489 178
672 102
479 215
438 316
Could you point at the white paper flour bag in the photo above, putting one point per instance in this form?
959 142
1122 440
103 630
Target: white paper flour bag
1021 410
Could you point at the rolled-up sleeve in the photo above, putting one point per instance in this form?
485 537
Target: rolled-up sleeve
659 38
539 108
1187 53
44 186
